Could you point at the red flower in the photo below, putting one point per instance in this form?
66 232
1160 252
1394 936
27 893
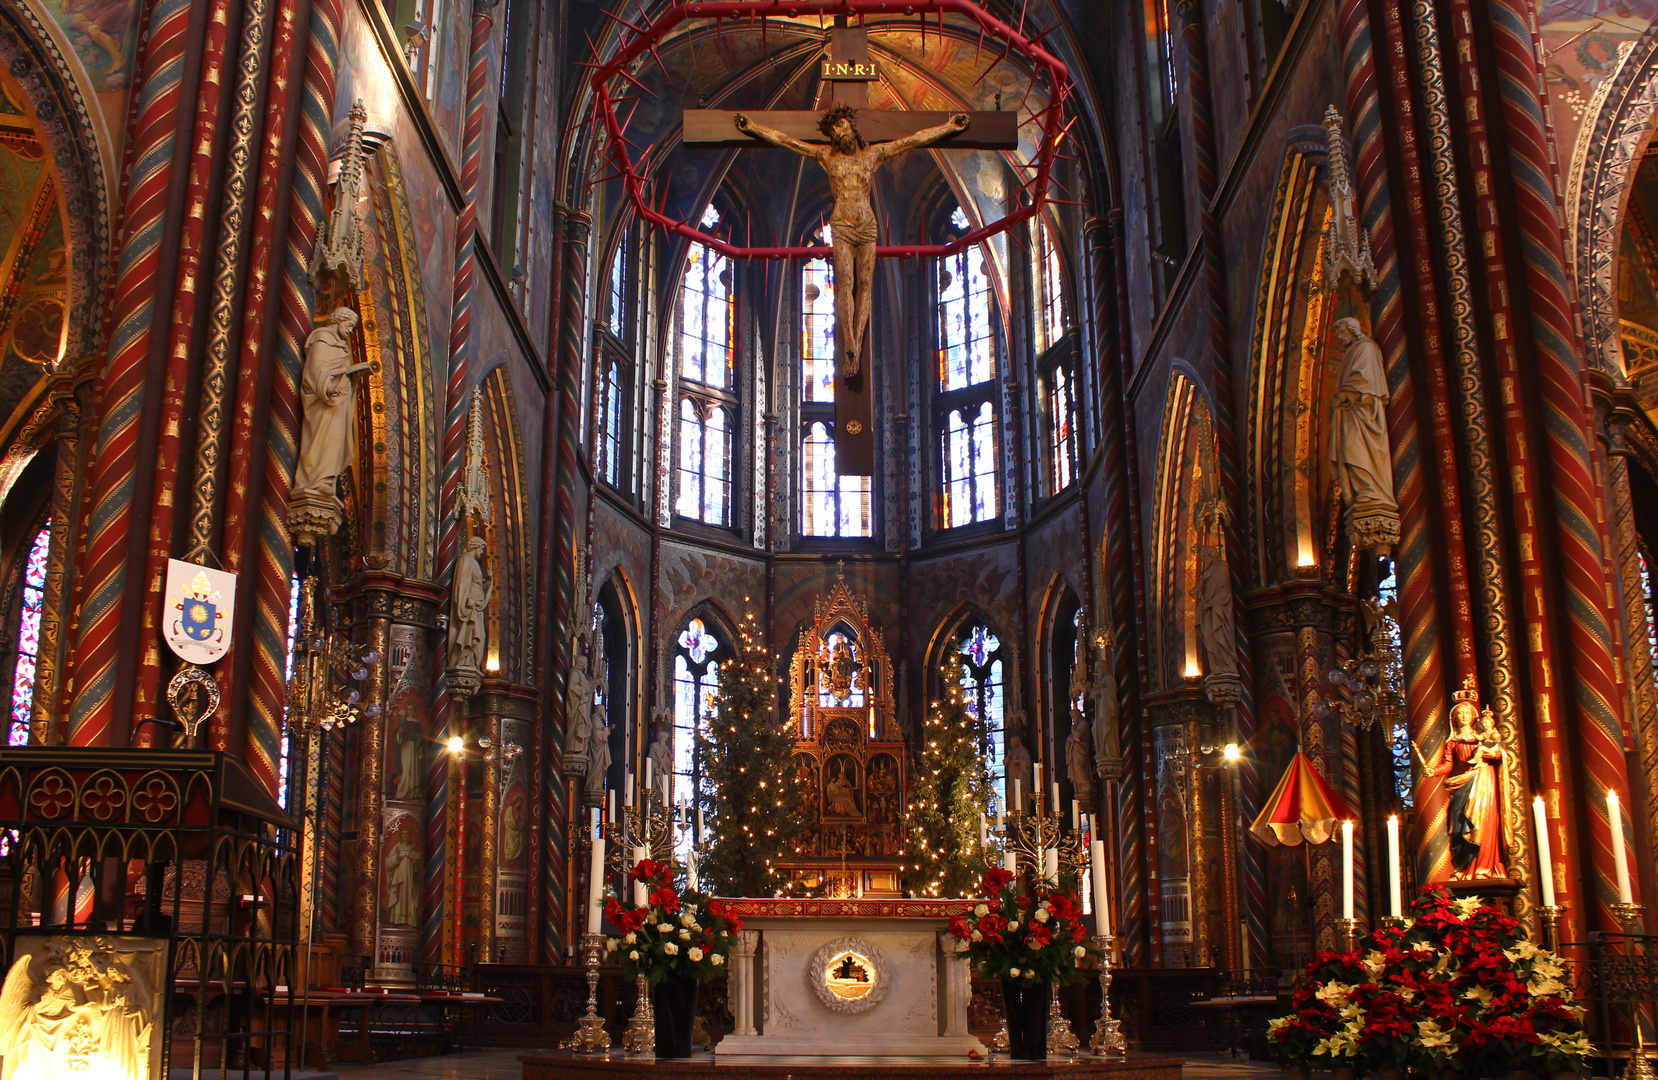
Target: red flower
1078 933
647 871
733 925
1022 902
958 928
1040 936
716 909
995 880
613 911
666 899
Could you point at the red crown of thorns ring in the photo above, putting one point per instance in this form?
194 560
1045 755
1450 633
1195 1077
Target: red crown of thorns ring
639 40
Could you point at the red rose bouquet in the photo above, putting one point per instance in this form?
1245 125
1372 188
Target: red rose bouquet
1012 934
679 934
1459 986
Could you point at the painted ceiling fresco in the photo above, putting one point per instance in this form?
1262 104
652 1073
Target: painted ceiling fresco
1580 40
733 66
34 278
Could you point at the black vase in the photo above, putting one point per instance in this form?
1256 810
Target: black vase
675 1002
1026 1002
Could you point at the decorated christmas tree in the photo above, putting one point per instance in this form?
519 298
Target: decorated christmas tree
750 789
948 792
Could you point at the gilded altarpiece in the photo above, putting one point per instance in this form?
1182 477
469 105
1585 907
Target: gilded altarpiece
851 758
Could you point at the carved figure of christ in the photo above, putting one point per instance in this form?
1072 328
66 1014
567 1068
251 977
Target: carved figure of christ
851 164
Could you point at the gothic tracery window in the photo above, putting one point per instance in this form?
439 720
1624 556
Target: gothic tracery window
1059 416
982 680
1047 289
830 505
966 401
707 404
28 637
696 701
616 317
613 415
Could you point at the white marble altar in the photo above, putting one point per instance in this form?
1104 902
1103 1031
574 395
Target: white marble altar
914 1008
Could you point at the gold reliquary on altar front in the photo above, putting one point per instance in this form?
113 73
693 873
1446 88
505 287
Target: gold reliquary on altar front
850 755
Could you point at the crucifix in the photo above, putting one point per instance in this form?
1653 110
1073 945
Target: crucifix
850 141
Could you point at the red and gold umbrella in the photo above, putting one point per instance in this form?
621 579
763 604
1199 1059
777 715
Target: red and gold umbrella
1302 807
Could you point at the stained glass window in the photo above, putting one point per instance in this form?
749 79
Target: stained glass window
612 403
1047 293
969 459
1399 737
981 678
617 315
28 637
282 762
817 328
696 704
1060 418
966 341
704 462
830 505
706 311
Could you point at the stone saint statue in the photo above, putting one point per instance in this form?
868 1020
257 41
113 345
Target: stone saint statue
598 756
1214 615
1079 758
403 883
1018 768
470 592
661 753
1476 770
327 397
850 163
579 704
1102 694
1358 430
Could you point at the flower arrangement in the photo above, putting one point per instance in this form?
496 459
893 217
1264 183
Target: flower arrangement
1460 986
1011 934
680 935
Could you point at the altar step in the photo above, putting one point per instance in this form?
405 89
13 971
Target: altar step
569 1065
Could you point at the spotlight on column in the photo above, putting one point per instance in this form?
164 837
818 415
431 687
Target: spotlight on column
1231 752
456 744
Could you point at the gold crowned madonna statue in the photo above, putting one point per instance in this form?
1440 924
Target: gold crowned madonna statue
849 754
1474 767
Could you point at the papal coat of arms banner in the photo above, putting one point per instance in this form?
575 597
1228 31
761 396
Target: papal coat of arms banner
196 617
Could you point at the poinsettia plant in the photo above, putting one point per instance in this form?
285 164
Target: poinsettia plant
1459 985
1018 933
678 933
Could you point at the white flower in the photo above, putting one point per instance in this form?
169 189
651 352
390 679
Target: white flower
633 955
1030 973
1375 963
610 946
631 937
1429 1034
976 936
671 949
1467 905
717 959
666 928
695 954
1013 924
1042 914
981 911
1334 994
685 935
1013 973
1080 951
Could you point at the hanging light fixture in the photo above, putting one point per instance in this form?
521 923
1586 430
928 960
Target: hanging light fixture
1372 683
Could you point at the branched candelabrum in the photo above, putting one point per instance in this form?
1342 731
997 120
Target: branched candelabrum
648 826
1031 837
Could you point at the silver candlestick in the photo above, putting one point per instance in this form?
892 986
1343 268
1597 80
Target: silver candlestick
640 1036
590 1036
1108 1036
1061 1040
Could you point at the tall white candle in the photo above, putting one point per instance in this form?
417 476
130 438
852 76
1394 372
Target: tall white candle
647 773
1055 803
1036 789
702 834
1620 858
595 879
628 799
667 784
1102 899
1050 864
1075 810
1545 860
1001 818
641 895
1347 869
1016 803
1395 907
1010 861
984 832
611 806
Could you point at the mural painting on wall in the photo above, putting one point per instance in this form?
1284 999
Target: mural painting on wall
102 33
1580 41
34 258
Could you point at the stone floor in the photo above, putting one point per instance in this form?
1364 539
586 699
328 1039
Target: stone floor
503 1065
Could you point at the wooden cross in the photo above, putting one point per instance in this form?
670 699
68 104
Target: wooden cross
846 71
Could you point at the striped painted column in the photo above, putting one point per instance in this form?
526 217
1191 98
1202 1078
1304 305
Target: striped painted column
1578 520
102 581
1124 600
171 483
567 379
1429 693
274 569
1200 103
1420 616
256 693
